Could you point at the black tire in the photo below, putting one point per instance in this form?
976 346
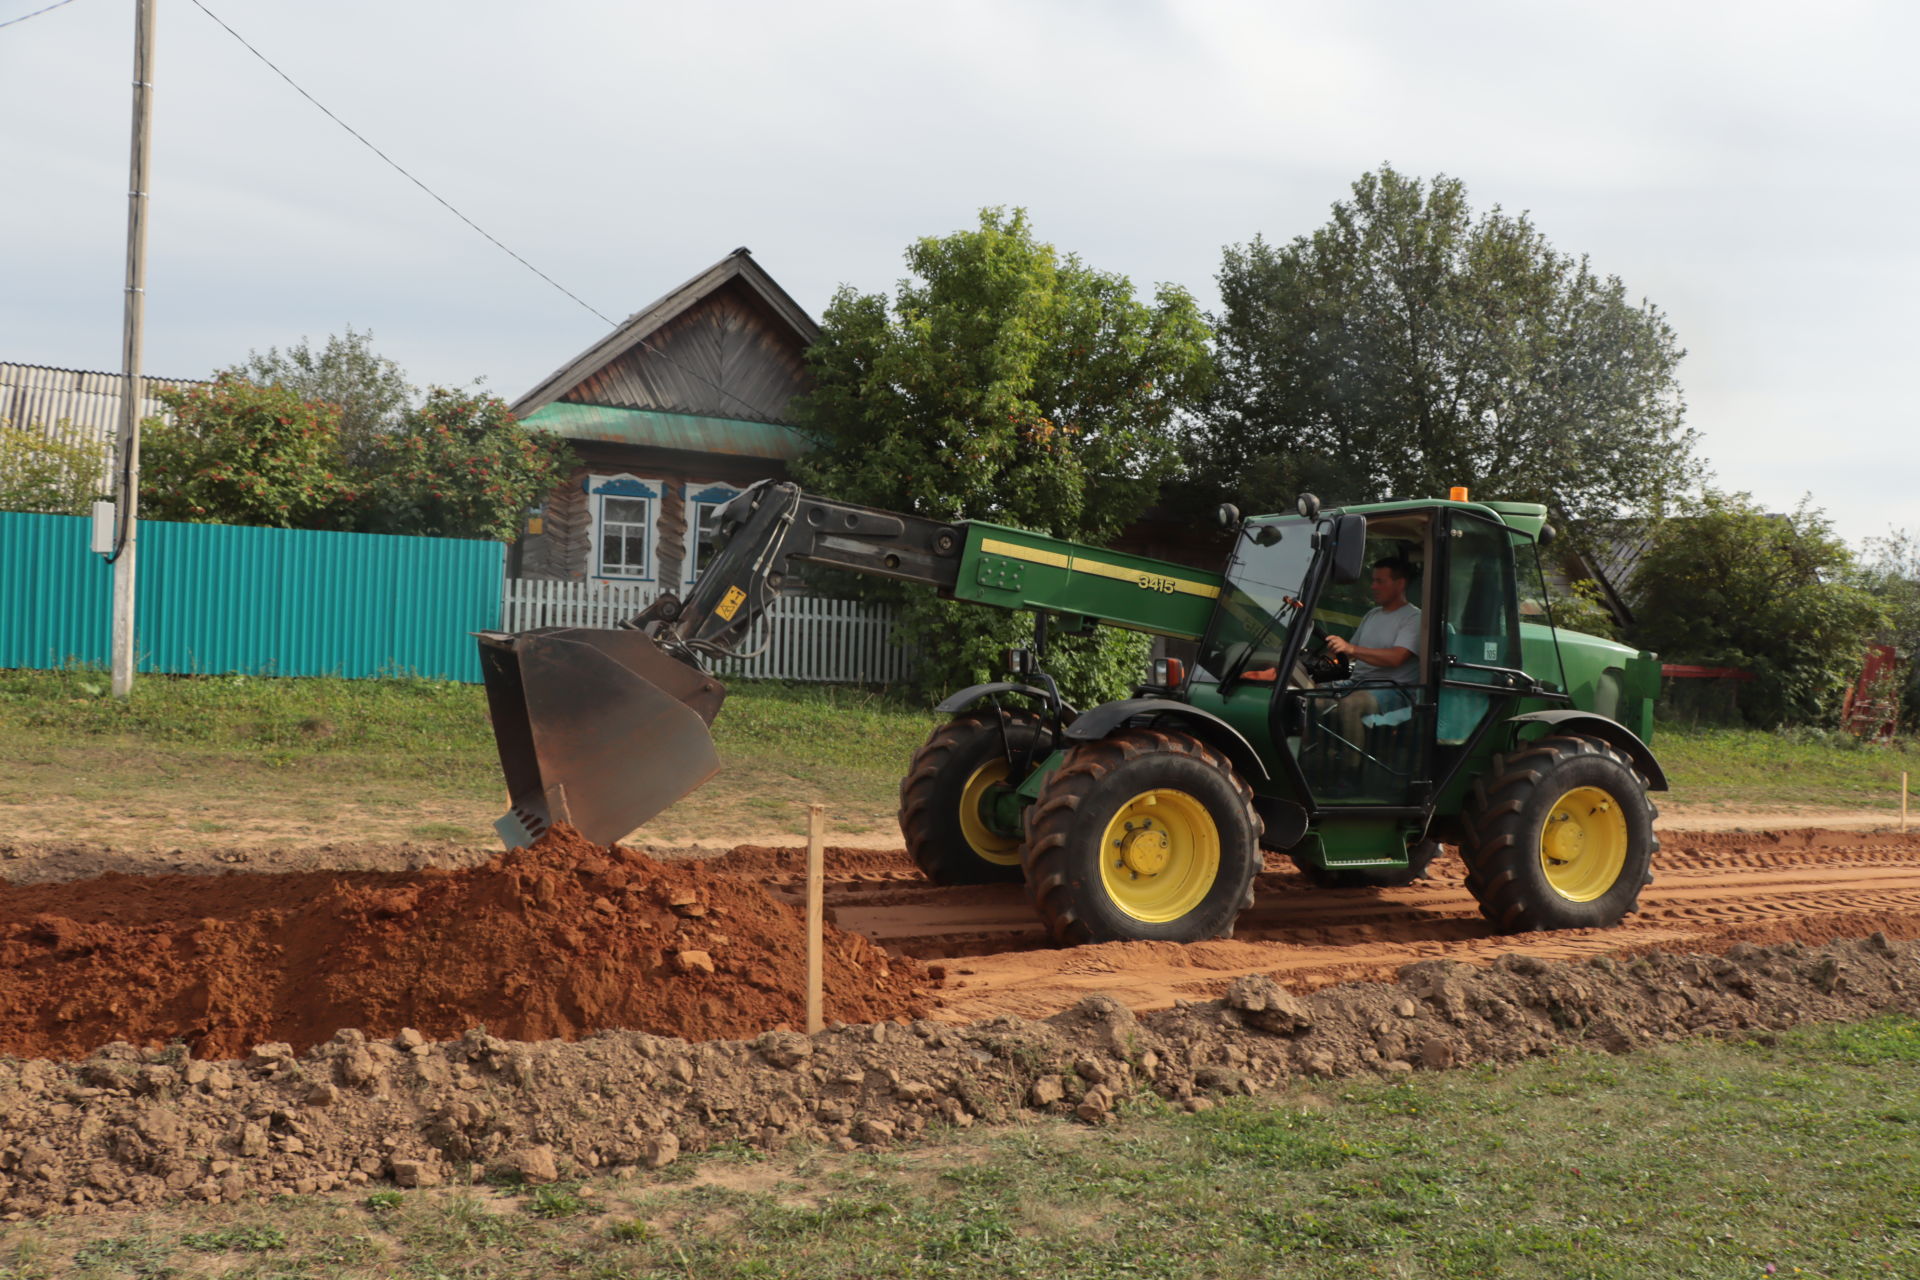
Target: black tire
1419 858
1204 805
1509 851
933 795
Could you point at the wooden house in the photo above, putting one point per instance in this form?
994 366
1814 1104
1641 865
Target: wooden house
671 414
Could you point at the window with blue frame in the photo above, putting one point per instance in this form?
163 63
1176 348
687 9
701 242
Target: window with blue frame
704 502
625 509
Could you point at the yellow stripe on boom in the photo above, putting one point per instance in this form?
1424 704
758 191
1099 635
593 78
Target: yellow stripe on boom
1014 551
1143 578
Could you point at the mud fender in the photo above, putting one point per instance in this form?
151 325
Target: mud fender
1611 732
1097 723
974 693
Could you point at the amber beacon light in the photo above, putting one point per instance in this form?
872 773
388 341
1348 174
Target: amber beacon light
1457 494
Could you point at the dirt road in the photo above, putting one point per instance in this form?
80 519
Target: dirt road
1711 889
205 958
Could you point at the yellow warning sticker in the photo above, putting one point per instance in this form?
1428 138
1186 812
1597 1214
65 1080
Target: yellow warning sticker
730 603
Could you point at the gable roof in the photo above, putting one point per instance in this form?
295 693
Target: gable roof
709 367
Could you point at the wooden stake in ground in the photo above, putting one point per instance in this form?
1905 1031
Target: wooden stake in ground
1903 802
816 913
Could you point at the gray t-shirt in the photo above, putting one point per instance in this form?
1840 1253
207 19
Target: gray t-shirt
1382 630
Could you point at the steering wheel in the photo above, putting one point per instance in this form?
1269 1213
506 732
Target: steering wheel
1323 664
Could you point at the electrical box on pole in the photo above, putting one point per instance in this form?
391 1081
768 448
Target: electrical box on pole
102 544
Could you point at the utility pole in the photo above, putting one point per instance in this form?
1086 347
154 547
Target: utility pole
133 389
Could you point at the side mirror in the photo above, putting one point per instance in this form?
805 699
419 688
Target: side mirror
1266 535
1349 549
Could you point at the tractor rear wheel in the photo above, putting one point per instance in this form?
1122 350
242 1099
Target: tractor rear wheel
1419 858
1559 836
1147 834
945 797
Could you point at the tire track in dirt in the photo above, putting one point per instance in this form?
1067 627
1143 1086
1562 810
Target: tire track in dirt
1711 890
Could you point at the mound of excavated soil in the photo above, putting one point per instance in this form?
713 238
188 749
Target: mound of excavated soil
134 1126
557 941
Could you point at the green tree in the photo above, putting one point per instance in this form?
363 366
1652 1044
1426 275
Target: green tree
1579 605
1003 381
1889 570
459 466
1583 607
240 453
372 391
1726 584
47 472
1408 346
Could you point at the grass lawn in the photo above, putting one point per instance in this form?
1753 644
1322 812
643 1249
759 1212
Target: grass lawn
1752 769
235 759
1708 1159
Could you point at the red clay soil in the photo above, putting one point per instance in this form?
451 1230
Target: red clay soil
754 859
557 941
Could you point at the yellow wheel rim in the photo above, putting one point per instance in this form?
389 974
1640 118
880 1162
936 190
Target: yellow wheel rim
1583 844
1000 850
1160 855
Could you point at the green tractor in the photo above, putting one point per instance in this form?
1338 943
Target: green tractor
1484 727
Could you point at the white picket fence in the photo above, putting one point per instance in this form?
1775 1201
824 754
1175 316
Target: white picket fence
807 638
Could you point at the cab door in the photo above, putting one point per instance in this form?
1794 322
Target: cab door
1480 663
1361 743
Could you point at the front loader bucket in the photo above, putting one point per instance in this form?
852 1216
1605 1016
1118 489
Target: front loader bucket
597 729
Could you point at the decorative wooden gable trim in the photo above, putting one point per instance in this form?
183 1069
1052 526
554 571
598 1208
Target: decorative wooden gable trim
726 344
725 357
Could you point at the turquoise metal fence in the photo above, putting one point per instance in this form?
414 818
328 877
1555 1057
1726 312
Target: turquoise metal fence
220 598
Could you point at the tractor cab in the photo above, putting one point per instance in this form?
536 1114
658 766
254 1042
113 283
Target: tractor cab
1435 581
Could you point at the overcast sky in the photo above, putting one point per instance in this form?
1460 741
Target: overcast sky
1752 168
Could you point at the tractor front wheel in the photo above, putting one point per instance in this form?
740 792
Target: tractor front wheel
948 798
1559 836
1144 835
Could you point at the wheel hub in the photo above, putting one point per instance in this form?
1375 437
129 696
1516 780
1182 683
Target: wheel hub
1566 839
1583 844
1145 850
1160 855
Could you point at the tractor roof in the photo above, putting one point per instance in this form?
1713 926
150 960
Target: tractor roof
1527 517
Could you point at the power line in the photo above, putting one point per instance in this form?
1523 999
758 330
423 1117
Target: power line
36 13
693 373
396 165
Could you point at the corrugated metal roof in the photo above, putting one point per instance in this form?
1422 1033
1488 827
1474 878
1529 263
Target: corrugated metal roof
692 432
76 406
89 401
739 362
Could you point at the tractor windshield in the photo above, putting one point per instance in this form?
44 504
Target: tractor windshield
1266 581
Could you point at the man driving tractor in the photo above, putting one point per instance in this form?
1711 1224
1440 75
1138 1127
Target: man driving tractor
1384 650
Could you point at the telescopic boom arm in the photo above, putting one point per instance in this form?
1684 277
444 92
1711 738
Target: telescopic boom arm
766 531
605 728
